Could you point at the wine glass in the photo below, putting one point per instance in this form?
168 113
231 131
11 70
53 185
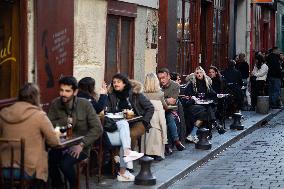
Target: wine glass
63 129
201 96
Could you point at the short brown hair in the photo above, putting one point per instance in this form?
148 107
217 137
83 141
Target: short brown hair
164 70
30 93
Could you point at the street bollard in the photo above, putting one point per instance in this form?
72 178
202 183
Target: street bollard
145 176
203 142
237 122
262 105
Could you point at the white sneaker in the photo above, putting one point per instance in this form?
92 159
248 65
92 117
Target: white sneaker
133 155
126 177
193 139
129 165
116 159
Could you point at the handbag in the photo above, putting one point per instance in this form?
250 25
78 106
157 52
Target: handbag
109 124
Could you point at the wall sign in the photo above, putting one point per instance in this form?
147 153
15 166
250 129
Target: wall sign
55 44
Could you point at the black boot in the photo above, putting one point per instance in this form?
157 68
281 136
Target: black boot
219 128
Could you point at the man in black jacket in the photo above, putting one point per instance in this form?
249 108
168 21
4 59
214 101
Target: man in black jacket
274 77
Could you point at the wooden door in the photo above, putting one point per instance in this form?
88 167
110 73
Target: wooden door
119 46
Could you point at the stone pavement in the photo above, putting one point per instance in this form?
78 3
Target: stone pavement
254 162
177 165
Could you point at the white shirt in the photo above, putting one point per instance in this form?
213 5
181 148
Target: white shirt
261 74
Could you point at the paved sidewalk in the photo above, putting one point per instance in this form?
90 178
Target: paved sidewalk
179 164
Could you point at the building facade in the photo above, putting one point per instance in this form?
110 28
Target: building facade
42 40
280 24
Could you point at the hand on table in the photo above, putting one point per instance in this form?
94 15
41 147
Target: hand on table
75 151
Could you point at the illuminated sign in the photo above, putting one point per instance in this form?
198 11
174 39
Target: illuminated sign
6 54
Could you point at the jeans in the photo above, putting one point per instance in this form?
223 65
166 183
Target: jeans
60 161
274 91
171 127
16 174
121 137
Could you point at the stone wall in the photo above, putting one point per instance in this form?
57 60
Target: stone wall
89 40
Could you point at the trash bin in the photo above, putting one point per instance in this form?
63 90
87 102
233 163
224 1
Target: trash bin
262 105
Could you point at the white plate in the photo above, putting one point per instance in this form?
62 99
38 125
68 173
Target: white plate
115 115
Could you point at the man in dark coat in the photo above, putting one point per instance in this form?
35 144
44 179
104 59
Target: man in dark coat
79 114
274 77
234 83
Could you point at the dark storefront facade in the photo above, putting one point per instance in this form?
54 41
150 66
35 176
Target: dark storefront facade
53 46
262 27
201 29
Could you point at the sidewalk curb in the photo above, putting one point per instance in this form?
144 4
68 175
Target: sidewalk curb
216 151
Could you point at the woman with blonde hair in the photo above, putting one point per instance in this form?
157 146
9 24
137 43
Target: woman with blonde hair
195 115
156 139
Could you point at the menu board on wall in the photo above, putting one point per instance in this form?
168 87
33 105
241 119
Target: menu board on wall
54 45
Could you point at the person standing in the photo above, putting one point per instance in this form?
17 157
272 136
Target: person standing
67 109
25 119
260 71
171 92
274 77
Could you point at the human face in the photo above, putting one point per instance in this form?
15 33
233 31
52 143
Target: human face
199 74
66 93
212 73
164 78
118 84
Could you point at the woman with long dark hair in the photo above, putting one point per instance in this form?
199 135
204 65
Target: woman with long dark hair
258 79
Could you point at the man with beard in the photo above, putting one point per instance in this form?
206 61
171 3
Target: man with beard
69 110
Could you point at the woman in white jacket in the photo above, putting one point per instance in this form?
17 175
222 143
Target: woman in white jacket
258 80
153 143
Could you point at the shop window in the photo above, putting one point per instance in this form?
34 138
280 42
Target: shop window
185 12
9 49
218 32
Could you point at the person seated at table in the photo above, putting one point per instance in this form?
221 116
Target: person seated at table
219 86
234 81
195 115
259 73
156 138
87 90
171 92
125 94
25 119
175 77
79 114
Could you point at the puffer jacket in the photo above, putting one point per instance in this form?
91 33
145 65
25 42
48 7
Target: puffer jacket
141 105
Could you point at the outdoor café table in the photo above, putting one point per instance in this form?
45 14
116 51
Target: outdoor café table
65 143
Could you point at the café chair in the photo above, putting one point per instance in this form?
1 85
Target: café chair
14 177
84 165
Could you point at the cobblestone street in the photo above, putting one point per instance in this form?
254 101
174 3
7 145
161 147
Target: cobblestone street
256 161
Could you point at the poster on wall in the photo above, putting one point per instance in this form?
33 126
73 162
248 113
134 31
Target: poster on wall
54 45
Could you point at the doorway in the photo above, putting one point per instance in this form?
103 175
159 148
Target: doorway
119 46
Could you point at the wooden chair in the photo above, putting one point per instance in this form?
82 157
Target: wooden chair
85 169
13 146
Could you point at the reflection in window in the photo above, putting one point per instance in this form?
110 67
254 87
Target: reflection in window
9 49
